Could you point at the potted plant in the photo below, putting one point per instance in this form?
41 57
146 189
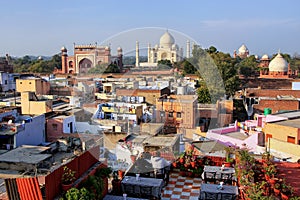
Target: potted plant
228 156
67 179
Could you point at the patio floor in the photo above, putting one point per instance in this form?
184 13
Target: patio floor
181 188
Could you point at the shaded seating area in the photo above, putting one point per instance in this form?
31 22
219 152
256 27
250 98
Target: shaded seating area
147 171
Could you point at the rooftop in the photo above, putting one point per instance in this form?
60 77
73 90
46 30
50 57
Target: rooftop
26 154
295 123
238 135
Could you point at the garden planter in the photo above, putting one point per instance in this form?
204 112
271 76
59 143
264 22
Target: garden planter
174 164
193 164
227 164
276 191
284 196
121 174
66 187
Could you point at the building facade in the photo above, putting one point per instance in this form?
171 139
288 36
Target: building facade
86 57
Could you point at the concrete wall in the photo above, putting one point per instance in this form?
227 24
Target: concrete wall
111 139
34 132
280 132
282 147
38 86
67 123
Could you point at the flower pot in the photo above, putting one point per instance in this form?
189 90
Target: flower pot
174 164
121 174
272 181
276 191
193 164
267 177
66 187
227 164
181 160
284 196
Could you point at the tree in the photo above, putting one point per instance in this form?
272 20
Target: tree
112 68
164 64
248 66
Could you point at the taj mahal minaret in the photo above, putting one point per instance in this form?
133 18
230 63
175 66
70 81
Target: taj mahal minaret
137 54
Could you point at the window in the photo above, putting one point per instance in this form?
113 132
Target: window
178 115
291 139
170 114
54 127
5 82
29 82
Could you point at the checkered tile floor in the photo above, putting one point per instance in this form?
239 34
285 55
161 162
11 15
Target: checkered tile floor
181 188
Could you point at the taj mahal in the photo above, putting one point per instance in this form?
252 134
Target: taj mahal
167 49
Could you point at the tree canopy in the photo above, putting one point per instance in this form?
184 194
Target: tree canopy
35 65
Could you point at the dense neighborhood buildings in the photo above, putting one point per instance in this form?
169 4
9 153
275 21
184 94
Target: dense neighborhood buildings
85 121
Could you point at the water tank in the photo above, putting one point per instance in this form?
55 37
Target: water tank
267 111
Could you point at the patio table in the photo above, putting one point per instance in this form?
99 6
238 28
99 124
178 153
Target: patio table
156 185
217 169
213 189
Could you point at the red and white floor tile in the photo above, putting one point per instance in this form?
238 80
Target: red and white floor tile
181 188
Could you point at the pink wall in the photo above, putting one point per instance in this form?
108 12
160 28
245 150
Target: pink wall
251 142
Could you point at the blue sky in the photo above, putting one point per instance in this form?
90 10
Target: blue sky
35 27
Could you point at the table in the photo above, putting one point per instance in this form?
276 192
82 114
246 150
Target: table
213 189
113 197
227 172
132 187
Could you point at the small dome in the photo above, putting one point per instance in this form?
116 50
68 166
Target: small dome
265 57
119 49
278 64
64 49
166 40
107 48
243 49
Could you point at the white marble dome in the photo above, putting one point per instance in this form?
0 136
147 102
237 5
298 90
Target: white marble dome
166 40
278 64
243 49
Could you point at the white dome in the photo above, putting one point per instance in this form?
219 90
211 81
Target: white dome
119 49
63 48
107 48
265 57
166 40
278 64
243 49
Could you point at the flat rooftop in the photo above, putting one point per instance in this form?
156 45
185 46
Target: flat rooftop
237 135
209 146
295 123
26 154
160 141
289 115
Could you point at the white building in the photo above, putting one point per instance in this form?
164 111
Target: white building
167 49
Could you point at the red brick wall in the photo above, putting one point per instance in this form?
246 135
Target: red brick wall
272 92
277 105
